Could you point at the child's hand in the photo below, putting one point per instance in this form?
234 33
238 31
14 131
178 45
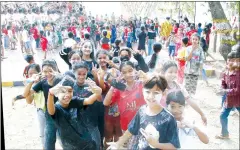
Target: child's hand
186 123
114 145
142 76
152 141
94 69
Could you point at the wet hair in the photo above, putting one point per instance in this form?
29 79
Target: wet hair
230 55
152 27
103 52
160 81
177 25
87 35
199 24
70 35
125 63
29 58
71 53
80 65
176 97
185 40
142 28
67 81
125 49
105 33
34 66
167 65
157 48
117 42
197 35
51 63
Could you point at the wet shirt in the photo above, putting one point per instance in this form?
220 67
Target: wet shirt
193 65
128 101
72 128
163 122
90 113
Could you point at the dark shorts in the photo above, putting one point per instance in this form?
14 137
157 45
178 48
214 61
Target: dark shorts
171 50
141 47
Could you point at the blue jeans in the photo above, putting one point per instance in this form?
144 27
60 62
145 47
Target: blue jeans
6 42
50 133
224 120
150 46
37 43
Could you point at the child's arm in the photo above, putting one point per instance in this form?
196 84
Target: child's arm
50 104
29 97
201 135
119 144
108 98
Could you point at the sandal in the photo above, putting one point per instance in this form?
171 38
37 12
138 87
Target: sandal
221 137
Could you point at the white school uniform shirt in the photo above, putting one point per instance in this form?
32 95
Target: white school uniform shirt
69 43
25 36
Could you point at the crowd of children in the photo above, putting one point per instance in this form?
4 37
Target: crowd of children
113 96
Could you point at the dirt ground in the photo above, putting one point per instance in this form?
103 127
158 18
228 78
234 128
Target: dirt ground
22 132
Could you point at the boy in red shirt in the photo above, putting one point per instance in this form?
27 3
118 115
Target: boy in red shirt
43 43
35 34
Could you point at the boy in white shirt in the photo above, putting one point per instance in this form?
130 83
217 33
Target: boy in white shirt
188 131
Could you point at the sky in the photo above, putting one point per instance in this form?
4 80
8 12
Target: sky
102 8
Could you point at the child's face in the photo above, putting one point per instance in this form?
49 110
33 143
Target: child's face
171 74
176 109
75 59
128 73
230 63
102 59
81 75
87 48
195 40
48 72
31 72
66 97
152 96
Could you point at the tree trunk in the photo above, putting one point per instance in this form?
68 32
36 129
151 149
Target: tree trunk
224 26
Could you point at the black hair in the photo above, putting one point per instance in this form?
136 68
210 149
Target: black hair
192 27
67 81
117 42
107 27
34 66
80 65
71 53
103 52
70 34
125 49
185 40
186 19
230 55
160 81
167 65
177 24
51 63
152 27
176 97
157 48
105 33
129 63
199 24
28 58
197 35
142 28
115 60
87 35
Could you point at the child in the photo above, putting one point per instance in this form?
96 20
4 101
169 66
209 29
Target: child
116 48
169 70
32 71
153 125
70 123
181 60
129 39
30 60
172 45
187 130
108 33
142 41
231 87
105 41
44 44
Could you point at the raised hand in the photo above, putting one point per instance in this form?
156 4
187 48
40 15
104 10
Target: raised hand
152 141
94 69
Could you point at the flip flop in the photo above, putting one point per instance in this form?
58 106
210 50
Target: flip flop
221 137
